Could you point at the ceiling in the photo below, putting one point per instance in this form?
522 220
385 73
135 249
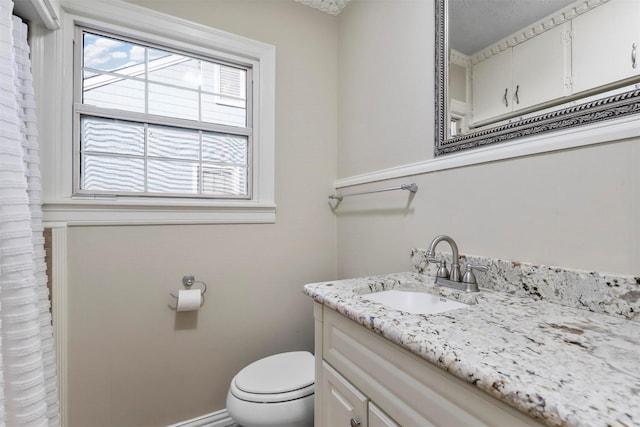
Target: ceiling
332 7
476 24
473 24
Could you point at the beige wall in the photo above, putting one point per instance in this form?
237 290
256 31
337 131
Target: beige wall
385 84
133 361
576 208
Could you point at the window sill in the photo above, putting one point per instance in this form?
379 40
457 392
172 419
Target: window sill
98 212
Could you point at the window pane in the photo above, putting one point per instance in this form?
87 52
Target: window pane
117 72
154 54
174 143
87 74
109 54
214 110
224 80
111 136
114 92
173 177
173 102
232 82
210 76
102 173
225 180
224 148
175 70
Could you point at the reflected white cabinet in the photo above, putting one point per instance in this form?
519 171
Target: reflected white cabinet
491 84
529 74
603 44
366 379
542 68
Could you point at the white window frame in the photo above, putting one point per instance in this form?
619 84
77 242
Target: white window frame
52 53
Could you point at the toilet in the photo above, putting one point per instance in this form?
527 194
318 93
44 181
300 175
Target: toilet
276 391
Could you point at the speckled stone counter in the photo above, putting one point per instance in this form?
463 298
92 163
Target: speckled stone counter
560 364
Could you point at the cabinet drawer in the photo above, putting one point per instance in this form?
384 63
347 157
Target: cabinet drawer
377 417
410 390
342 401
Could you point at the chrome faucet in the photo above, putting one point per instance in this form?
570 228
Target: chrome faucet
452 279
455 264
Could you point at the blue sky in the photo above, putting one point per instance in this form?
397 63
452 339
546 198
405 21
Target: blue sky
109 54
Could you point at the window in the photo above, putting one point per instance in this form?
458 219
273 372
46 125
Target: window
156 122
147 119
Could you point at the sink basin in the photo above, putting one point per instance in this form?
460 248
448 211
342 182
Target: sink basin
414 302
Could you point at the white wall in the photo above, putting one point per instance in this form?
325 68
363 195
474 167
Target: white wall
576 208
132 360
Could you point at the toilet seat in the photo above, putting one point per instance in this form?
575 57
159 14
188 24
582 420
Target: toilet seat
278 378
271 398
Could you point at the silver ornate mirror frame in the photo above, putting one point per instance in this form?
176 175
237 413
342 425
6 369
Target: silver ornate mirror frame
599 110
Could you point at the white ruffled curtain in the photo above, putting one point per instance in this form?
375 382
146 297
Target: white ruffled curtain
28 388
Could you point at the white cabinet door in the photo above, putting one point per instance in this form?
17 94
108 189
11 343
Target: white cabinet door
603 40
531 73
343 404
491 87
377 417
541 67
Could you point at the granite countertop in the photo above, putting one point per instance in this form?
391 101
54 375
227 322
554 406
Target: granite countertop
562 365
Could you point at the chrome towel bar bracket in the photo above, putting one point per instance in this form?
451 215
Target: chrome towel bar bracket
413 188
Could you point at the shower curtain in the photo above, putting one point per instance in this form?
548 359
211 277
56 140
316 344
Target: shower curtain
28 388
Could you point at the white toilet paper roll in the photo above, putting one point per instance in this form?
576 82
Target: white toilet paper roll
189 299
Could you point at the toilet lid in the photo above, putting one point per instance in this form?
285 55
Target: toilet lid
280 373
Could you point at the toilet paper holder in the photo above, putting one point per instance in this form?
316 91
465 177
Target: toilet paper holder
188 281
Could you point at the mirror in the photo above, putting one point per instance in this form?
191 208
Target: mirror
567 64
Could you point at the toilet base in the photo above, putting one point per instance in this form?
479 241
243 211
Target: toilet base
294 413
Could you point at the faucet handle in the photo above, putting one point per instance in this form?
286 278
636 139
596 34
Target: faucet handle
469 278
443 271
477 267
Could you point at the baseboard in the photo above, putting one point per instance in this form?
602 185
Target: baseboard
214 419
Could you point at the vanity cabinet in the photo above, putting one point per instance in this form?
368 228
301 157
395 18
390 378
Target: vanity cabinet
366 379
606 41
529 74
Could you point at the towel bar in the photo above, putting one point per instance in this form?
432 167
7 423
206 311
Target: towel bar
409 187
